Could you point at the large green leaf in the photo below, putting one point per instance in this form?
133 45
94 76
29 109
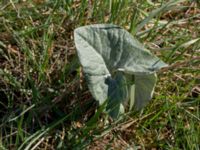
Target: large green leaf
117 67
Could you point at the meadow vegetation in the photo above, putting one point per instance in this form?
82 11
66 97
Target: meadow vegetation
44 99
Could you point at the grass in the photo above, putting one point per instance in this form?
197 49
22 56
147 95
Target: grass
44 100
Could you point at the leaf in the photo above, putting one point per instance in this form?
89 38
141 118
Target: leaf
108 55
117 94
145 87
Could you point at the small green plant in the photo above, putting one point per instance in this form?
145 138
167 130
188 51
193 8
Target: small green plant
117 67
